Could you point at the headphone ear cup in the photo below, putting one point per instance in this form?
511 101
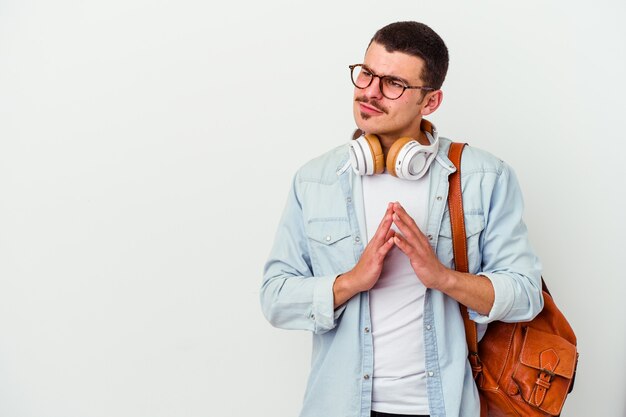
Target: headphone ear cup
377 153
392 155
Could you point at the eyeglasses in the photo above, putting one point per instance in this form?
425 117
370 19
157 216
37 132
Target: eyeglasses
390 87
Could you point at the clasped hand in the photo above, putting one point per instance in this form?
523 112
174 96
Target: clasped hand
410 240
474 291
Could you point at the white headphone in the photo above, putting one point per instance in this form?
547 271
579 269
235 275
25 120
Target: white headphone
406 159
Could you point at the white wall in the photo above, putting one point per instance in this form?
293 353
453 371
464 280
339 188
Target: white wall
146 149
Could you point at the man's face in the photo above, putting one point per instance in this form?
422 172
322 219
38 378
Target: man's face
379 115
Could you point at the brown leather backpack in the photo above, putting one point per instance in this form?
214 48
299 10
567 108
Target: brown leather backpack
521 369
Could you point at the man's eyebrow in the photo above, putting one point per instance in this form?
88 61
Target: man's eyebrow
394 77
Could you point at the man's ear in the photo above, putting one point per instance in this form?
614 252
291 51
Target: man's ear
433 101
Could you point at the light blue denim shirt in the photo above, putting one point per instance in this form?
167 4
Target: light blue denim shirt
322 234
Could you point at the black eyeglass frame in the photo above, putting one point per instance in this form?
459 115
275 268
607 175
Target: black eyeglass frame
381 78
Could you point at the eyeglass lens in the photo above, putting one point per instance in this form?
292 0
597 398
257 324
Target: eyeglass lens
389 87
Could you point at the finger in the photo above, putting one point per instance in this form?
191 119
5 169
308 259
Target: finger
386 247
400 211
391 233
385 225
408 230
402 244
405 218
383 229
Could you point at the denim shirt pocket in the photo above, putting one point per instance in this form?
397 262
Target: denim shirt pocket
474 225
331 248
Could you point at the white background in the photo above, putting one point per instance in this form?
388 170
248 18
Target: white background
146 150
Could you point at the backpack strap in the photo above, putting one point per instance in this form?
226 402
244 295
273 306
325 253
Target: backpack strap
459 242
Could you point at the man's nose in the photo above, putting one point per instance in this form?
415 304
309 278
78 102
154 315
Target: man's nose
373 90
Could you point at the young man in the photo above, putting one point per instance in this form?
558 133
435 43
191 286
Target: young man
363 254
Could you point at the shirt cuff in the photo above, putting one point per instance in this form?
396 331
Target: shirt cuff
501 301
323 313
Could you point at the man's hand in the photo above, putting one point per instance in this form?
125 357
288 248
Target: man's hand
474 291
366 272
416 247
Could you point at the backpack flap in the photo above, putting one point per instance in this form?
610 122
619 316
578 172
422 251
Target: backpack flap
544 373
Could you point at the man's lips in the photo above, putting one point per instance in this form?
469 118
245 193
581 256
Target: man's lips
365 108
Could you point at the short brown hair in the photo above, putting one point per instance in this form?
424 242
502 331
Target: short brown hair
419 40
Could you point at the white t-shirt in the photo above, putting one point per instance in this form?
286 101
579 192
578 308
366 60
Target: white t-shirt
397 303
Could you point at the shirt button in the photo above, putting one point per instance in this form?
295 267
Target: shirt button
312 316
349 199
328 238
366 376
430 237
428 327
439 198
357 239
367 330
431 373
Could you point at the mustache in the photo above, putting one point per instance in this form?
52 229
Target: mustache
371 103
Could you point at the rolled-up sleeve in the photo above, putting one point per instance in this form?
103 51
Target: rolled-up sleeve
291 297
508 259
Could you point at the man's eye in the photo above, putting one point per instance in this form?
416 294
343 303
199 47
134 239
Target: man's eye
366 72
394 83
